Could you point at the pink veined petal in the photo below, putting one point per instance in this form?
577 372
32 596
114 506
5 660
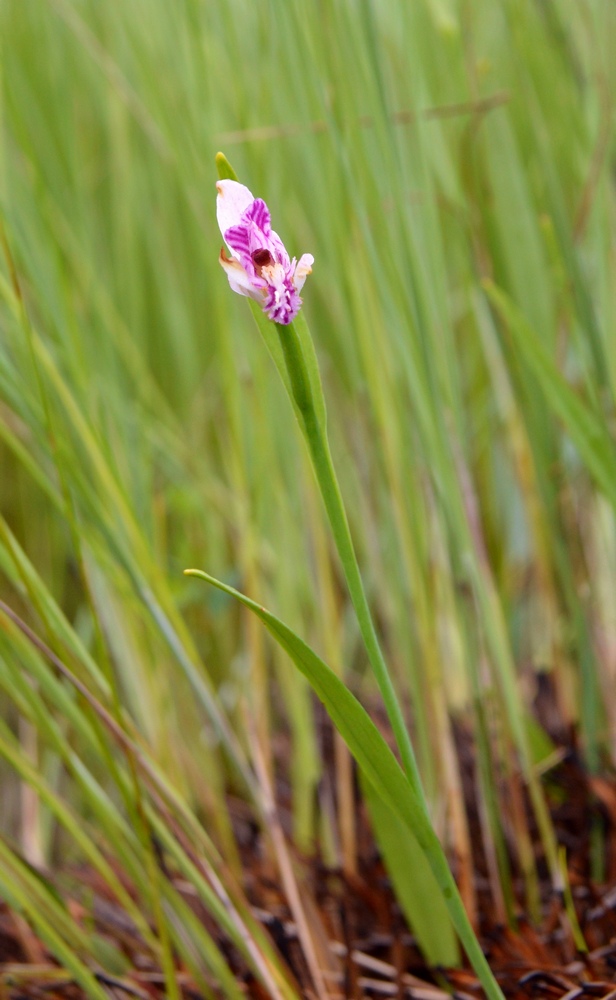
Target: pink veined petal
258 220
239 242
259 214
242 242
303 269
238 279
278 249
232 201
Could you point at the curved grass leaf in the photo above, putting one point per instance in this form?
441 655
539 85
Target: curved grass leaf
348 715
379 766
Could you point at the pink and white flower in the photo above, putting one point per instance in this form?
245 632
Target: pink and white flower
259 264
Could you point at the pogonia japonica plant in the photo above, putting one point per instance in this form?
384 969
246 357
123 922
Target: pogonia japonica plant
259 265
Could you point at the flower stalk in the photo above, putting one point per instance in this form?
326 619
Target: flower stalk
318 444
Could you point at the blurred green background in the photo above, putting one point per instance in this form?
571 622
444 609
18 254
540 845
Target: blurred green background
450 165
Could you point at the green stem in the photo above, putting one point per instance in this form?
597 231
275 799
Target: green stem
316 437
457 912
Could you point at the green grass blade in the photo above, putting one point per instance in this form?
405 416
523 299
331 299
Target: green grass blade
379 766
588 432
413 881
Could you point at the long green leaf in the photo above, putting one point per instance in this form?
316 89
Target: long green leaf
379 765
414 883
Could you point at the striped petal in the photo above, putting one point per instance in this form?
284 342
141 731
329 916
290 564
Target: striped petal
259 214
232 201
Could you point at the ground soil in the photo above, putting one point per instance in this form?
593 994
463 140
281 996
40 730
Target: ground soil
373 953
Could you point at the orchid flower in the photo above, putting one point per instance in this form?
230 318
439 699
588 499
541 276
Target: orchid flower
259 265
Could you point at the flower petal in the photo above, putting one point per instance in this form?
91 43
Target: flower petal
232 201
238 239
277 247
259 213
238 279
303 269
